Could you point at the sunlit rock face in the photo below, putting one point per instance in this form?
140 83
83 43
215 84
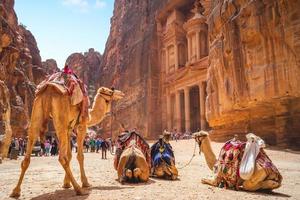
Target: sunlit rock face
253 77
130 63
87 68
20 70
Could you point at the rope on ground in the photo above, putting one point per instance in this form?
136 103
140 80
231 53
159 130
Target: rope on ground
194 154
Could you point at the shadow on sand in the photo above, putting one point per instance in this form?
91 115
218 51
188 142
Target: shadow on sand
149 182
268 193
65 194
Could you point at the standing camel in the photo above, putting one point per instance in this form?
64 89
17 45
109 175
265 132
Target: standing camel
265 176
52 104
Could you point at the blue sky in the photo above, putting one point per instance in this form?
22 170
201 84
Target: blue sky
62 27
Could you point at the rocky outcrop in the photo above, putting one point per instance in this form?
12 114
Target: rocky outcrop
253 79
50 66
20 71
87 67
130 63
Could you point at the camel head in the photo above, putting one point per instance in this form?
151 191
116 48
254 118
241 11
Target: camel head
110 94
199 137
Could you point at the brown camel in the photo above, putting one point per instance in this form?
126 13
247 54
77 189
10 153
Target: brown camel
133 165
132 159
51 103
262 178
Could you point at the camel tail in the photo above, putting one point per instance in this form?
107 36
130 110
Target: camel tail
131 161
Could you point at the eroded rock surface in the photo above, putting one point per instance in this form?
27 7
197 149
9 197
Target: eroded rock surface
20 70
130 63
253 78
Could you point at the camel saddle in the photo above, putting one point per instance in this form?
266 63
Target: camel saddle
228 164
124 140
67 84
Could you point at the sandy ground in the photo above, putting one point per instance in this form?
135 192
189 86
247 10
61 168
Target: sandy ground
44 178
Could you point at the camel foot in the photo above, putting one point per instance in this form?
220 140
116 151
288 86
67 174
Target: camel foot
66 185
128 173
86 185
137 172
81 192
15 193
173 177
208 182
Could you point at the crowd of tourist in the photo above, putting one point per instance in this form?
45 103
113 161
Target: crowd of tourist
177 135
50 146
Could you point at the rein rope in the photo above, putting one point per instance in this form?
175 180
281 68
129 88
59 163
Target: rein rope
189 162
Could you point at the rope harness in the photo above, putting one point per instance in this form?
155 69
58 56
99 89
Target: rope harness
194 154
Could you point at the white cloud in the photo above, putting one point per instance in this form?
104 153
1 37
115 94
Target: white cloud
100 4
82 5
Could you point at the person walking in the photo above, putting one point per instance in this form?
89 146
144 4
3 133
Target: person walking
98 144
104 147
53 148
47 147
92 144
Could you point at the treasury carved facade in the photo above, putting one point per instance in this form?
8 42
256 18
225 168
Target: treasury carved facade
183 44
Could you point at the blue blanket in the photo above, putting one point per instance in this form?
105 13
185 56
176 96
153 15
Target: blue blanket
161 151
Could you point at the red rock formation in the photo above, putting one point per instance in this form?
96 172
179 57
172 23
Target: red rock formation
253 78
20 69
130 63
86 66
50 66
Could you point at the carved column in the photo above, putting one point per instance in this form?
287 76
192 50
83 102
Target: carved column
177 111
176 56
169 117
189 48
198 47
202 106
187 109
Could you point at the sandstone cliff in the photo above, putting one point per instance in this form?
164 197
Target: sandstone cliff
87 67
253 78
130 63
20 70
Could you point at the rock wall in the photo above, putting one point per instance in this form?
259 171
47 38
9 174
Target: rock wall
130 63
87 67
253 79
20 71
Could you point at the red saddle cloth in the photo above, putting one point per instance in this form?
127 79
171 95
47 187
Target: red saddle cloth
124 141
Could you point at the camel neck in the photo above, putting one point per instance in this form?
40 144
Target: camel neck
209 155
99 109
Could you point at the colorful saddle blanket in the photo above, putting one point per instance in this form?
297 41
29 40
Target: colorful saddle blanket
68 84
124 141
162 152
228 164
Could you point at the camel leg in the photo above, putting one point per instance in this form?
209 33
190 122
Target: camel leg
142 171
270 185
121 166
64 161
81 133
173 171
67 181
256 181
24 166
158 171
212 182
39 114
